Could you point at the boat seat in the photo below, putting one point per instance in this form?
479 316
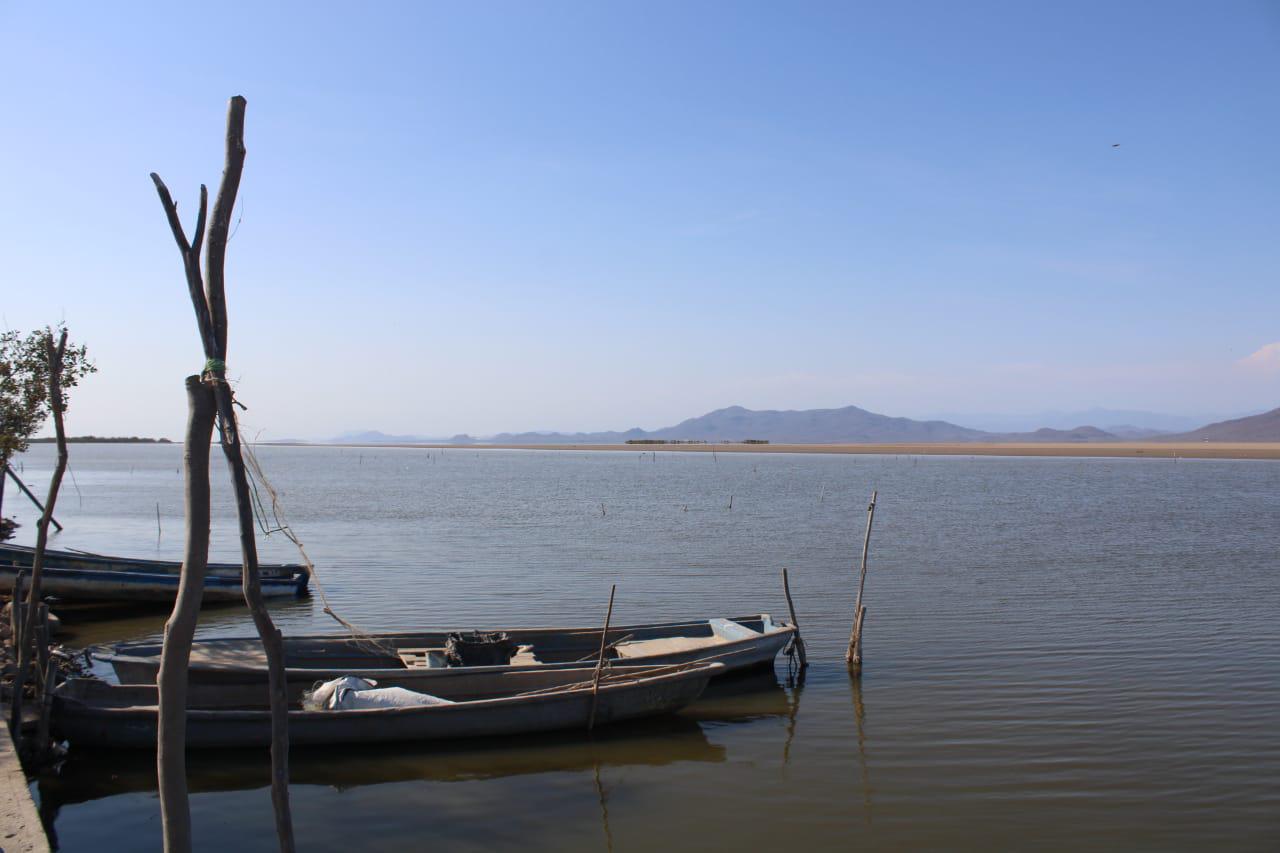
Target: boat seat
423 658
665 646
728 630
524 656
229 653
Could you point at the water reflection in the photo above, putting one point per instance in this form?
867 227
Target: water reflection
91 774
992 722
604 809
860 721
741 698
795 683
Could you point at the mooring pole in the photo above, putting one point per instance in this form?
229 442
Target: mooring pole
853 657
797 641
8 469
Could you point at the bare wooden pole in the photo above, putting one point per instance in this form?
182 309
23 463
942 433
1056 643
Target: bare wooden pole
171 739
853 657
797 641
8 469
595 680
208 298
15 608
53 356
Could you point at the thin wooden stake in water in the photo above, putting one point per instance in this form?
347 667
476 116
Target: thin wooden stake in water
595 681
157 521
798 641
853 657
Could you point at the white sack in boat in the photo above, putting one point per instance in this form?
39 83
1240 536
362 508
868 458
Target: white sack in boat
349 693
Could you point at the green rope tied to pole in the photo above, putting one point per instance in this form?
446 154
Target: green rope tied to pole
215 365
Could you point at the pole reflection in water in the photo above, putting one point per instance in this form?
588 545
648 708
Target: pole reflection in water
860 720
604 808
795 681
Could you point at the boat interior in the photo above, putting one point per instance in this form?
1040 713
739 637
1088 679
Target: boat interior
427 650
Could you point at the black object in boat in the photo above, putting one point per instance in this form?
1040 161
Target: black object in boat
477 648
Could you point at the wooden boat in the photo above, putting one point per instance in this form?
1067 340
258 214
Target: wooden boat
97 577
90 712
88 585
416 659
22 555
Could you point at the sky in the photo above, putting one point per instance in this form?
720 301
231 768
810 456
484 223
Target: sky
582 216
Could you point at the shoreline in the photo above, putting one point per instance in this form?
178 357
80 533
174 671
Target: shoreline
1125 449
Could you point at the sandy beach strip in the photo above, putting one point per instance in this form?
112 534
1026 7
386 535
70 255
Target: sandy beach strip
1132 449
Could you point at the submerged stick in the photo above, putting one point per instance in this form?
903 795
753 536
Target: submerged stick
595 681
853 657
798 641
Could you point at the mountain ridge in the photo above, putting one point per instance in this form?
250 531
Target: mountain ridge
845 425
1262 427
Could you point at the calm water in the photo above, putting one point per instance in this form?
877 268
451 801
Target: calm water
1060 652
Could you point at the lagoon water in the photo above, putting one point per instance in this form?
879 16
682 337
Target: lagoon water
1060 653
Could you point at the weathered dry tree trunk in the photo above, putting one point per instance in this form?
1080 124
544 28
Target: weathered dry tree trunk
853 656
171 739
208 298
53 355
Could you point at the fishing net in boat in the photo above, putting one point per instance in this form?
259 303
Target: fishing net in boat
277 523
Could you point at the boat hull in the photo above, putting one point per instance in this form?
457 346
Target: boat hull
135 586
22 555
89 723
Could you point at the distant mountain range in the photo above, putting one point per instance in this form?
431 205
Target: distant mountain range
1263 427
846 425
1125 422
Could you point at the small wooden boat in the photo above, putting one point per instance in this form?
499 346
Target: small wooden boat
90 712
86 585
416 659
96 577
22 555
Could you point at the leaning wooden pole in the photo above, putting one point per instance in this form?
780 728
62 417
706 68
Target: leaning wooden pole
797 641
53 356
604 641
853 657
8 469
171 739
208 299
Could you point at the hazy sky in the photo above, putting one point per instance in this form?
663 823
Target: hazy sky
484 217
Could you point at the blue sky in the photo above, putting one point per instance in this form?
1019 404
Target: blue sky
485 217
